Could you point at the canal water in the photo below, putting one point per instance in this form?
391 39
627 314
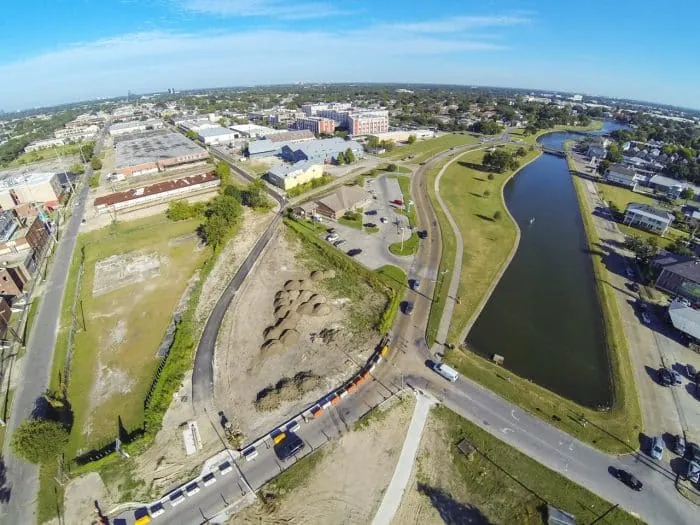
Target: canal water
544 316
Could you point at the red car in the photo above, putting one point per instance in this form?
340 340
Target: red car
398 201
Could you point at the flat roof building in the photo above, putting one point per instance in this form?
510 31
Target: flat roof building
216 135
323 151
287 176
154 152
253 130
30 187
134 126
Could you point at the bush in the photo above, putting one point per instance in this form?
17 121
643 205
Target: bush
490 177
392 167
39 440
183 210
94 180
96 163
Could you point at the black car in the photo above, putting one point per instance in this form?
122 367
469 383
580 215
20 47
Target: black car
354 251
665 377
289 446
369 225
628 479
371 212
408 308
423 234
331 230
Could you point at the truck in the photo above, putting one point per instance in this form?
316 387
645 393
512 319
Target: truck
446 371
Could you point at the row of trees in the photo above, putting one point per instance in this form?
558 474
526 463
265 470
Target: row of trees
348 157
487 127
374 142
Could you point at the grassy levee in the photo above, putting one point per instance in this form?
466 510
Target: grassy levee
391 280
424 149
504 484
615 430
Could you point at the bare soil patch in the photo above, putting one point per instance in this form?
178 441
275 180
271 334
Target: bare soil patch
346 486
80 497
253 354
117 271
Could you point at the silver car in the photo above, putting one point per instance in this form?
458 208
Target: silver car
657 448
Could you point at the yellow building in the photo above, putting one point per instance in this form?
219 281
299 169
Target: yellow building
287 176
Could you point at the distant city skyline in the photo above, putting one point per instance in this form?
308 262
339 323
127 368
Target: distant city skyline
50 55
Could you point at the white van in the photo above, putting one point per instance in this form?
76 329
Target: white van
446 371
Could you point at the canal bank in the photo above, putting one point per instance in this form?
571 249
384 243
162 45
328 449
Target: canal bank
613 430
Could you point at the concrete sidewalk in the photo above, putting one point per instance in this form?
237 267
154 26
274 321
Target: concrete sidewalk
397 486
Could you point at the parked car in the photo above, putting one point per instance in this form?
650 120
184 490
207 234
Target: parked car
665 377
691 372
156 510
676 377
332 237
627 478
339 243
371 212
408 308
398 202
679 445
692 452
693 473
656 450
225 468
354 251
289 446
642 305
415 284
382 220
176 498
209 479
423 234
331 230
645 318
369 225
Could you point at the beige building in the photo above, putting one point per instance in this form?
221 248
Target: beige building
32 187
347 198
287 176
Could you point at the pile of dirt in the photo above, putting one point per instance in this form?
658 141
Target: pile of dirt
291 303
286 389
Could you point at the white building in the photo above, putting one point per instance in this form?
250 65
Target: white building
77 134
647 217
622 175
43 144
216 135
134 126
30 187
253 131
287 176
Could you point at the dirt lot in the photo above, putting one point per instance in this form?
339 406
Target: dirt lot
347 484
80 497
245 367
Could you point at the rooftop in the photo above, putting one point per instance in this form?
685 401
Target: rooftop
154 189
686 266
254 129
284 170
289 136
328 146
26 178
623 170
152 147
135 123
685 318
649 211
344 198
214 132
666 181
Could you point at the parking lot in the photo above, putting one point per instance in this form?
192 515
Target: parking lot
394 226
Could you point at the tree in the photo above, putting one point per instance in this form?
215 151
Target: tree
521 152
87 150
496 215
373 141
226 207
340 159
490 176
387 144
215 230
687 193
254 195
39 440
191 134
349 156
392 167
183 210
498 160
643 249
614 153
411 139
77 168
487 193
603 166
223 171
96 163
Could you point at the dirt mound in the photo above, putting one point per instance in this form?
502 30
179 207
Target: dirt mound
291 285
321 309
289 337
305 295
306 308
316 275
293 295
329 274
272 345
317 299
286 389
272 332
281 312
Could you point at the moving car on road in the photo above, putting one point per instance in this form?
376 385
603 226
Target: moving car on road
656 450
629 272
382 220
446 371
332 237
415 284
627 478
693 473
289 446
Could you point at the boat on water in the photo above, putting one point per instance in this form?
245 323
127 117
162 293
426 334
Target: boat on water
532 219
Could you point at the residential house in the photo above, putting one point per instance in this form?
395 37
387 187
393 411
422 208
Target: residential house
622 175
647 217
679 275
598 148
671 187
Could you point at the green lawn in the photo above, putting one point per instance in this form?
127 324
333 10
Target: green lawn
124 327
408 247
424 149
505 485
44 154
355 220
399 168
405 183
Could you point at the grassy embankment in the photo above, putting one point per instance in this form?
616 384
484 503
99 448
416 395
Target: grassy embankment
390 280
123 329
410 245
487 246
503 484
424 149
46 154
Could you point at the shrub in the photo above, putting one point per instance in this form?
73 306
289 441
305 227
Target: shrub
39 440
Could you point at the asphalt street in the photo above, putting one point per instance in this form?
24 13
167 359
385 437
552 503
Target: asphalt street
22 477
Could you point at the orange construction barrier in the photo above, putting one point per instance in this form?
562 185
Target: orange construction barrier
335 399
352 388
317 411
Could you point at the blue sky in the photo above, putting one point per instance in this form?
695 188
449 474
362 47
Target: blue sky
70 50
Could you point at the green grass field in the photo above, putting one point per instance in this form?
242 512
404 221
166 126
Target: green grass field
408 247
44 154
424 149
124 327
472 200
505 485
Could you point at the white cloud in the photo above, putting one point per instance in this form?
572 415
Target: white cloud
157 60
460 23
262 8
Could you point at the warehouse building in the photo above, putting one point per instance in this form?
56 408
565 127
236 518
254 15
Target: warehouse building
153 152
134 126
273 144
156 193
324 151
216 135
253 131
38 145
288 176
30 187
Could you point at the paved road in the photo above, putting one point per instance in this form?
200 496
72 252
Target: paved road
22 477
203 372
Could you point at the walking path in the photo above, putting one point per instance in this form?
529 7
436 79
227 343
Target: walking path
397 486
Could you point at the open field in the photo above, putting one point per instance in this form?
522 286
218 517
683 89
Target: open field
341 483
498 485
125 307
48 154
275 358
424 149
